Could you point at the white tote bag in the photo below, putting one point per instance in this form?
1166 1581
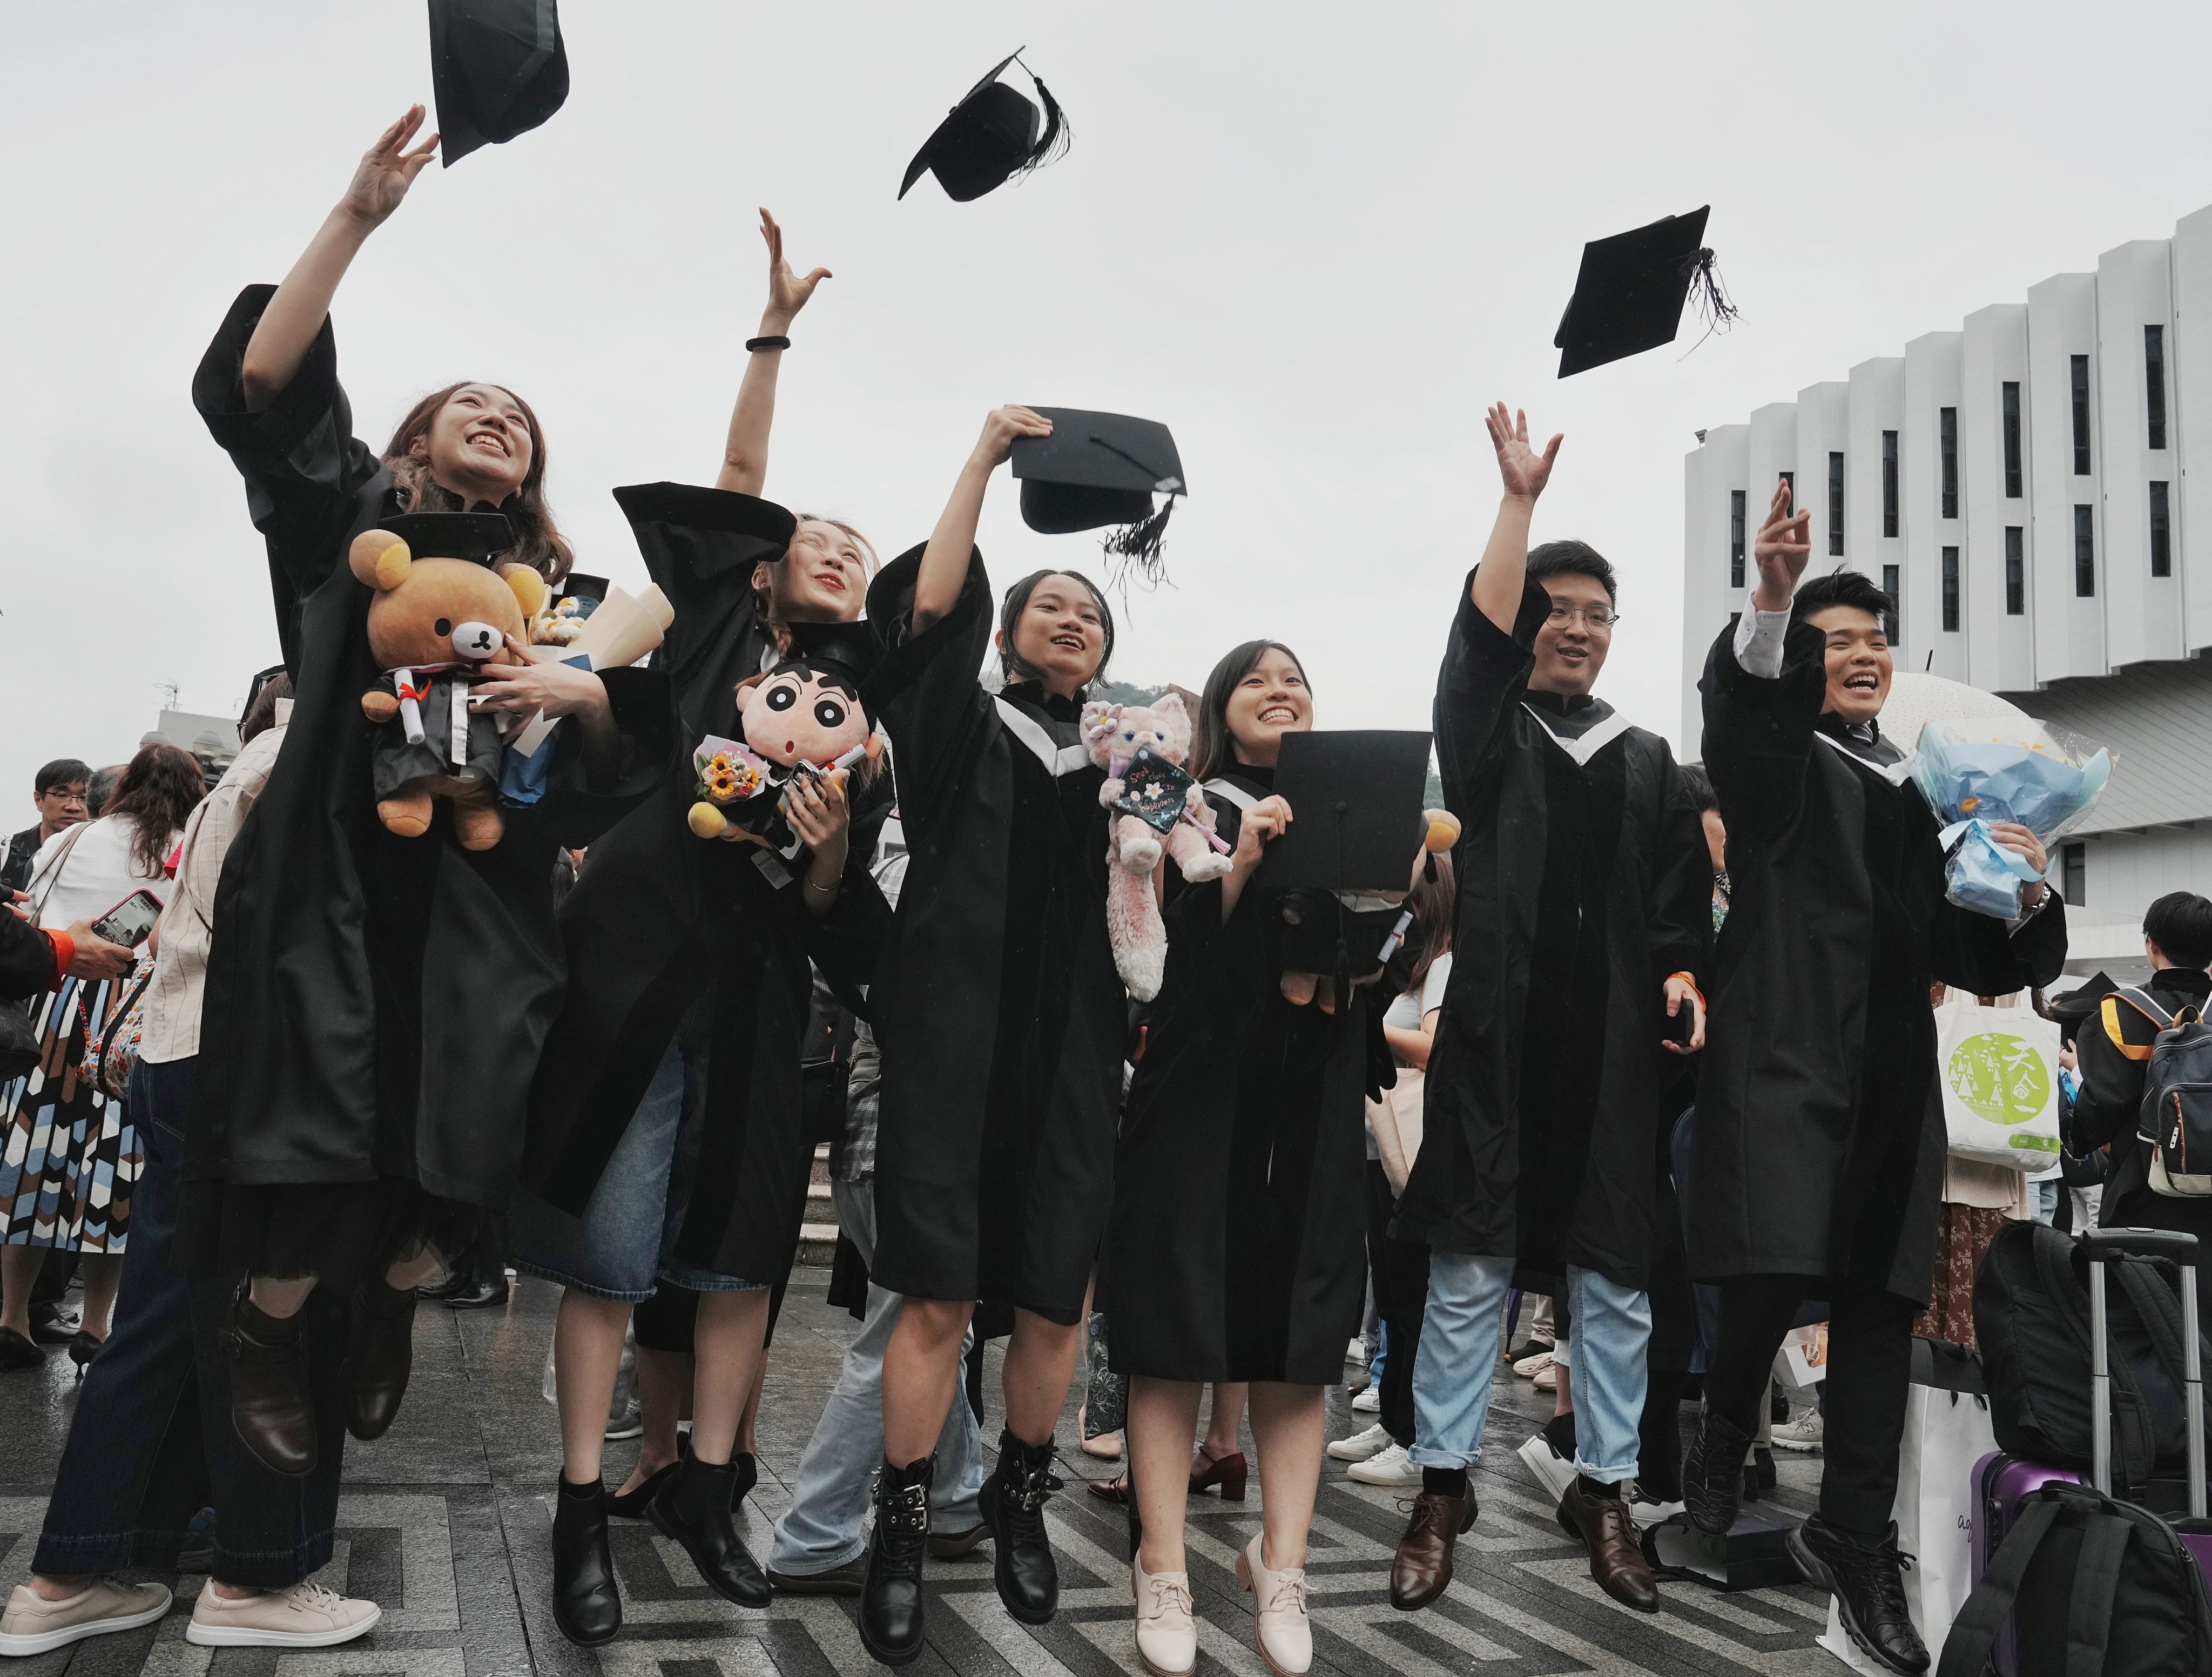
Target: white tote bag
1996 1069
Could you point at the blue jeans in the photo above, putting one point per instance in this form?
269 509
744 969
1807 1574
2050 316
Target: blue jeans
1611 1329
825 1526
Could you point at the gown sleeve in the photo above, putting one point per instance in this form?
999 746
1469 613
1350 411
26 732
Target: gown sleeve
2108 1106
1758 732
925 692
27 959
700 545
304 468
1681 914
1484 672
576 809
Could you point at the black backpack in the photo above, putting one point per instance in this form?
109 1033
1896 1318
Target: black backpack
2098 1587
2031 1318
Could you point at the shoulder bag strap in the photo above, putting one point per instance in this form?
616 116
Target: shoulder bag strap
2096 1575
53 875
1966 1649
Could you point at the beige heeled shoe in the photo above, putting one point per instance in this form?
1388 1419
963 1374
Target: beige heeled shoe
1279 1624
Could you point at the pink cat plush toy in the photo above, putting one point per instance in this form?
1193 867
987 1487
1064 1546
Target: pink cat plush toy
1157 806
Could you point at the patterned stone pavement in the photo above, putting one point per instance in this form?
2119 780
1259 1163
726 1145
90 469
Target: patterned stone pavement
446 1523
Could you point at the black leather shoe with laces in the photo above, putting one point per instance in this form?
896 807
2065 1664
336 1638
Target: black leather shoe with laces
587 1605
891 1592
1012 1506
1867 1582
695 1507
1712 1475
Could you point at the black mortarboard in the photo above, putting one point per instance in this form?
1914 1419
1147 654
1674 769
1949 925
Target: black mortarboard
2072 1009
1098 469
988 137
1355 798
848 651
1629 295
478 536
261 679
578 586
498 68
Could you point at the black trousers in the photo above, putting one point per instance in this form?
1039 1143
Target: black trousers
1400 1271
1869 1374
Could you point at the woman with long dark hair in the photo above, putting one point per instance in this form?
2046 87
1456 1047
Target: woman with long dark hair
374 1000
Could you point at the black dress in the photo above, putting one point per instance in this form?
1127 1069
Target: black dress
1583 881
1237 1245
998 1008
666 928
1814 1154
374 1004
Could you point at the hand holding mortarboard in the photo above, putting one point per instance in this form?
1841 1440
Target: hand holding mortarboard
386 170
1783 551
788 291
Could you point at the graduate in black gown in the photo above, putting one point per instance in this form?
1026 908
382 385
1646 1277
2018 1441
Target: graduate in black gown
667 1147
374 1002
1583 922
1236 1249
1001 1019
1817 1172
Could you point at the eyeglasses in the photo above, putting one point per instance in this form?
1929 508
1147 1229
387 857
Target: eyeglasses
1595 616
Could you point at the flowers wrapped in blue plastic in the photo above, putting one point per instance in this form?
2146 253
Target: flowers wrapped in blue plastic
1984 769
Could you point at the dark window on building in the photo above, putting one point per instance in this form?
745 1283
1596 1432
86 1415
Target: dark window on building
1889 587
2081 376
2161 531
2012 440
1950 591
2074 866
1735 538
1946 423
2015 571
2155 386
2085 552
1835 505
1889 483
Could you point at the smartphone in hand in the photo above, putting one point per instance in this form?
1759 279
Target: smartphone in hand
131 921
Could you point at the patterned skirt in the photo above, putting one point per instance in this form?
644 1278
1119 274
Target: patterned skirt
69 1155
1962 1240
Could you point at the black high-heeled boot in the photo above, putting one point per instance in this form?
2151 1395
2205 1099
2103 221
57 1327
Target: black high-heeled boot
1012 1506
891 1591
586 1602
269 1409
693 1508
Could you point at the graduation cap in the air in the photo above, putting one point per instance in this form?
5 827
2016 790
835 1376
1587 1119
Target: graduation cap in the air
1100 469
482 537
849 652
499 69
1356 800
1629 294
988 137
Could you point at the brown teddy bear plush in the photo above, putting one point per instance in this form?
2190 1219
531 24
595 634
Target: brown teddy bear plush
436 624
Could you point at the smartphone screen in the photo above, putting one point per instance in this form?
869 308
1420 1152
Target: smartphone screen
131 920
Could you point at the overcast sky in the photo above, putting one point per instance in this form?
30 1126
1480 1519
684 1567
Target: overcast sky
1312 239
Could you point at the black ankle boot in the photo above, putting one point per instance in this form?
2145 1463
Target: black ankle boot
1712 1475
1867 1582
380 1356
748 1477
1012 1506
587 1604
891 1592
269 1409
693 1508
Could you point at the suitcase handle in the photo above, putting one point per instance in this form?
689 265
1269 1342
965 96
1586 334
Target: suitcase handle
2099 1243
2142 1242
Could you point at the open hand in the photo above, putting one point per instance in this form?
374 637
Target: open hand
386 170
787 292
558 690
1784 547
95 957
1000 430
1681 994
1524 470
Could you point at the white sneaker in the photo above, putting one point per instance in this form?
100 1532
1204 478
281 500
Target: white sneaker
33 1625
1808 1431
1368 1402
1361 1445
1355 1352
1390 1467
1279 1624
1552 1472
1534 1364
1646 1509
305 1616
1167 1633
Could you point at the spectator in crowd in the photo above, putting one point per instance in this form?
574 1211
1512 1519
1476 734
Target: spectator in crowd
71 1153
58 794
101 788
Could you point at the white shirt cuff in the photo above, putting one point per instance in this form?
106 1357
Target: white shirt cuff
1758 642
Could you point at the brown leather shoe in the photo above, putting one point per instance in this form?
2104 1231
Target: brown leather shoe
269 1409
1421 1570
379 1356
1616 1559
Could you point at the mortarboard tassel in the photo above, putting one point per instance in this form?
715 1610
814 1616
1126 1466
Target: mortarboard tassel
1711 297
1136 547
1052 145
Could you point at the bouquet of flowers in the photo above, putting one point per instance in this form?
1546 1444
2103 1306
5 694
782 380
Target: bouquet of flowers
1975 771
729 773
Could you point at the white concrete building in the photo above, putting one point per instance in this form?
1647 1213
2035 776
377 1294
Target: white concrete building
2018 489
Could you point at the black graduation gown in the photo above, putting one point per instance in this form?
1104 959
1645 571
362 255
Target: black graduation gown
374 1004
1237 1246
661 919
998 1007
1815 1153
27 959
1583 881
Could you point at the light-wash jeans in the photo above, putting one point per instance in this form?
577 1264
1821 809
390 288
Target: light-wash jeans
1609 1335
825 1526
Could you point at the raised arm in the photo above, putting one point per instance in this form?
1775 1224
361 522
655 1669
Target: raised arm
945 561
295 314
745 453
1495 590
